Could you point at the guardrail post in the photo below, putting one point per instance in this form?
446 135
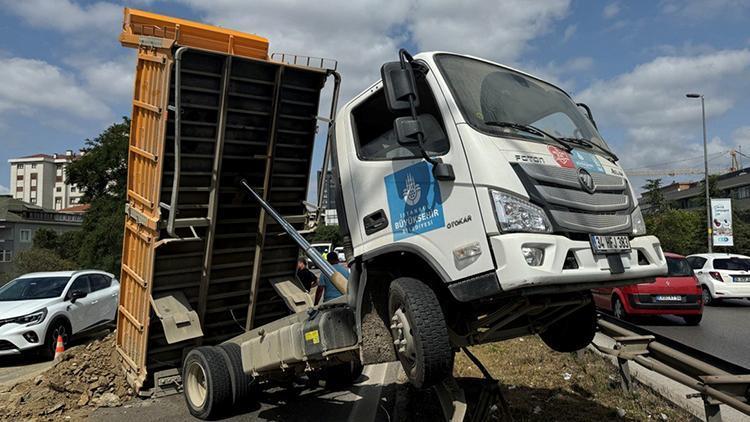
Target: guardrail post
626 381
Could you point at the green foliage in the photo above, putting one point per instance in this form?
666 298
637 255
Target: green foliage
46 239
680 231
100 241
654 196
37 259
330 233
102 171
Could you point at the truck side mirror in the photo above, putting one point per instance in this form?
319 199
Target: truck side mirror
399 85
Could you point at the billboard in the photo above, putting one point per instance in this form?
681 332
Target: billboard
721 222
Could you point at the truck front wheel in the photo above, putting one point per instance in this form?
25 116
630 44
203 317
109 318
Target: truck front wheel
574 332
420 335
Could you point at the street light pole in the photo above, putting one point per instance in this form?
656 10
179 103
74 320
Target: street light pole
705 164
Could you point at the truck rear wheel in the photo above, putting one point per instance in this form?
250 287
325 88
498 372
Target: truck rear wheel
207 382
419 332
573 332
242 384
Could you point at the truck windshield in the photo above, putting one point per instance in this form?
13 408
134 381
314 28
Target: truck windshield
492 98
33 288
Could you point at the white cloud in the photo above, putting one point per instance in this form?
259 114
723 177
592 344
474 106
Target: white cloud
67 16
362 34
649 103
109 80
611 10
35 86
569 32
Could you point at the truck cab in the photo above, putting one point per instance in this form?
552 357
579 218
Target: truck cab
528 210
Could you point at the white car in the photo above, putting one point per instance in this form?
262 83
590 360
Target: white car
36 308
722 275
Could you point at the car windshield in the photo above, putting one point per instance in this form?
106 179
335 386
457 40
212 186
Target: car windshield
735 264
490 96
678 267
33 288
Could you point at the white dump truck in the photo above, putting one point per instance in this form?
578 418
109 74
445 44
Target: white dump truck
478 204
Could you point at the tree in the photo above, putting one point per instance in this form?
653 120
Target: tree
680 231
101 174
46 239
330 233
37 259
654 196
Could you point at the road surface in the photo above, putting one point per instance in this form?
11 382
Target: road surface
724 331
368 401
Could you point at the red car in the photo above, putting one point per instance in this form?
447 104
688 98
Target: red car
678 293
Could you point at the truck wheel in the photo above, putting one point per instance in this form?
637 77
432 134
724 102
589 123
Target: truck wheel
207 382
242 384
344 374
419 332
573 332
692 319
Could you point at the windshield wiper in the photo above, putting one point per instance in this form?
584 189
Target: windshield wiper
589 144
529 129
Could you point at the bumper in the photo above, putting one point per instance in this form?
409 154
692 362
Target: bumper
731 290
645 304
514 273
14 338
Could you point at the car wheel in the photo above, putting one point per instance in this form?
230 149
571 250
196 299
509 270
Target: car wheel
574 332
708 300
618 309
207 382
58 328
692 319
419 332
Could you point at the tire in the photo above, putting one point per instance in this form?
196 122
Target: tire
708 300
207 382
692 319
343 375
59 326
242 384
618 309
426 356
573 332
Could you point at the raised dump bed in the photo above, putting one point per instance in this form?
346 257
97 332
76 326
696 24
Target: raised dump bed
209 108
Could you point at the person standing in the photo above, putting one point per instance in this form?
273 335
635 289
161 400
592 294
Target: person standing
304 275
331 292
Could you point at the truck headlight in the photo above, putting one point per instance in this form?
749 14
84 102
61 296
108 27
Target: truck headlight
639 224
28 319
518 215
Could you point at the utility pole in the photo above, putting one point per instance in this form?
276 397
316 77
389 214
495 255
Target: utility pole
705 163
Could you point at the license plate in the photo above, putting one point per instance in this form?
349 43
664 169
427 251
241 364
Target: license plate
741 279
669 298
609 244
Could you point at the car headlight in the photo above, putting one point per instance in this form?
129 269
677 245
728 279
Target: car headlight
28 319
639 224
514 214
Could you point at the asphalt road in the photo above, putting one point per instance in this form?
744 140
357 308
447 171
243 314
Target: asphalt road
370 400
724 331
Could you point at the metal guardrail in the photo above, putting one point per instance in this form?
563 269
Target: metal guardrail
715 380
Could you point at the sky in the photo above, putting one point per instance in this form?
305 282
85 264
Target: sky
64 77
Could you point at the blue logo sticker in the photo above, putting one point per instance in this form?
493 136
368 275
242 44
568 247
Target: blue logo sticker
414 201
587 160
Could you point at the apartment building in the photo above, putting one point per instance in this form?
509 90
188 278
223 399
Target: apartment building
329 198
690 195
40 180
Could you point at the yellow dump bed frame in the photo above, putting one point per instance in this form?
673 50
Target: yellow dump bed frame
209 107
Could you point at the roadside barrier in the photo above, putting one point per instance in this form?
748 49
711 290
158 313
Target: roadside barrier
716 381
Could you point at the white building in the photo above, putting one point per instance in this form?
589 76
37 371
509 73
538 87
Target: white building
40 180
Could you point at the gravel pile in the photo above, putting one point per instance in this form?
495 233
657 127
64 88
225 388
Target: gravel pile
85 377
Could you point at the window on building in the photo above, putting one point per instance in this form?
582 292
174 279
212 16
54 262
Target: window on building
6 256
19 188
19 177
33 166
58 203
59 169
742 192
73 189
58 189
25 235
33 200
19 166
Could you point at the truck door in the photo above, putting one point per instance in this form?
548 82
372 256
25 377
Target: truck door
396 197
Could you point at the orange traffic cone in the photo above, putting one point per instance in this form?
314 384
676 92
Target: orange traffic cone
60 347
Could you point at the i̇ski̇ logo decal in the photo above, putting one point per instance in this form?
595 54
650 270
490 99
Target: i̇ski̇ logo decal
412 191
562 158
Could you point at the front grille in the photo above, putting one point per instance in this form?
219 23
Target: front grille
6 345
574 210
